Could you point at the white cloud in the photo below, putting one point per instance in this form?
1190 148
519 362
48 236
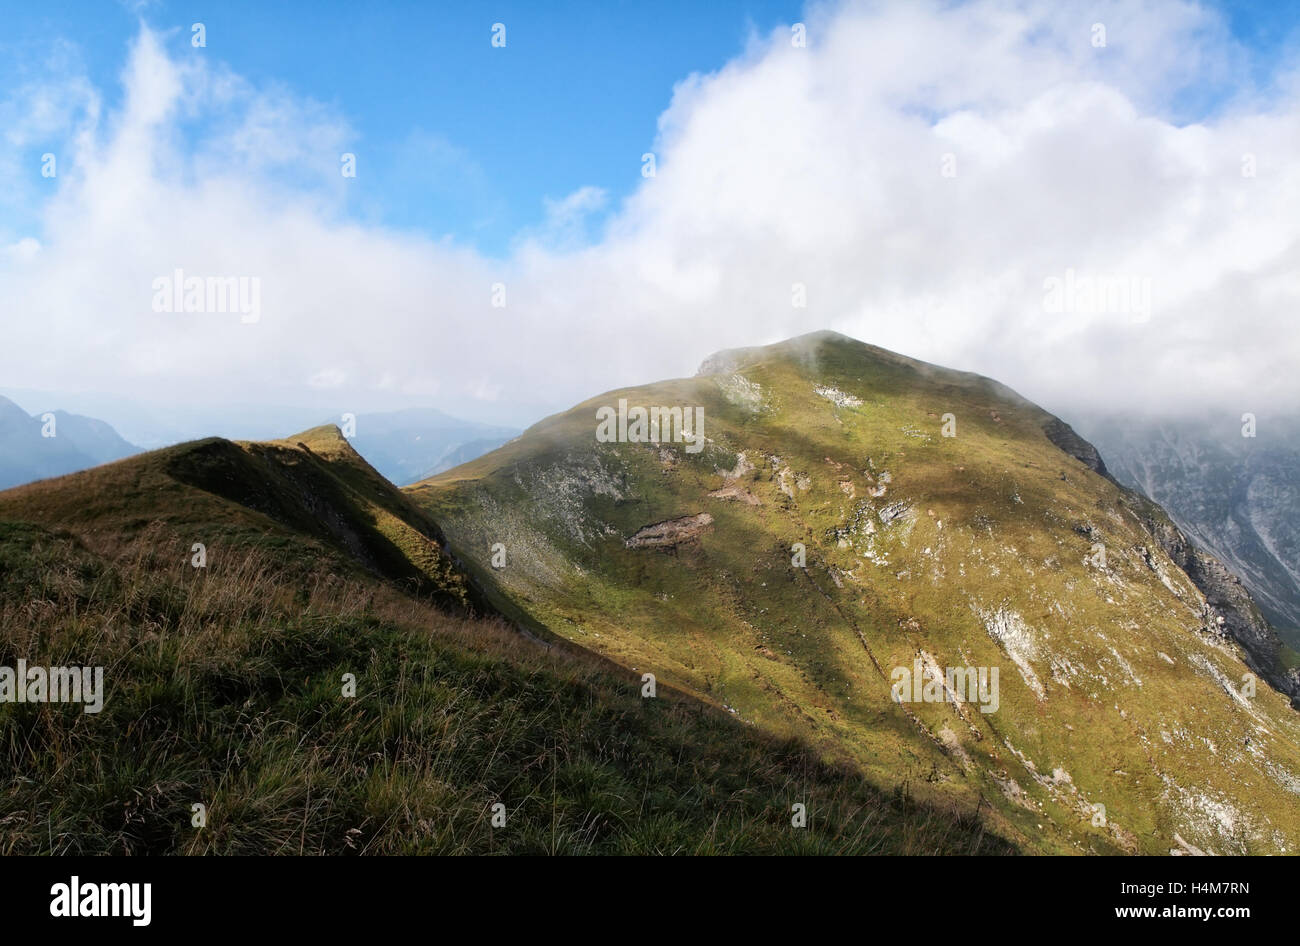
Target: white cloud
566 222
821 166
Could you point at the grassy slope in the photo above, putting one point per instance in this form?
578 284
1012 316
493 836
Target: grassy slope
1136 712
224 689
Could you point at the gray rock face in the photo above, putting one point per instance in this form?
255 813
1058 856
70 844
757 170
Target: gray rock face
671 533
1238 498
1230 609
1063 435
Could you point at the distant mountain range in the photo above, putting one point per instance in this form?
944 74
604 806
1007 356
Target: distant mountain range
410 445
36 446
1237 497
404 446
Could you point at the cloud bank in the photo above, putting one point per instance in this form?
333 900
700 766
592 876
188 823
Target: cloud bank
982 186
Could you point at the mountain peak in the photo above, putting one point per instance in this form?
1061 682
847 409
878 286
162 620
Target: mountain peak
326 440
855 514
730 359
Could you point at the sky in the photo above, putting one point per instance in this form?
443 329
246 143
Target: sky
456 138
1097 204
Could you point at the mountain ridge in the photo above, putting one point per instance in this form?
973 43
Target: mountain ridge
229 588
912 538
827 536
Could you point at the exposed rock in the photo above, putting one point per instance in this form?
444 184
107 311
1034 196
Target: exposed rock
895 511
1231 609
742 467
838 397
1236 497
1018 641
1063 436
742 392
738 493
1184 849
670 533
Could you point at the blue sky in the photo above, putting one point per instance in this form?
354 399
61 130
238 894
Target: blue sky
779 166
452 135
458 139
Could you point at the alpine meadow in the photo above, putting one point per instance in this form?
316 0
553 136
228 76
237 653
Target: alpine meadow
764 427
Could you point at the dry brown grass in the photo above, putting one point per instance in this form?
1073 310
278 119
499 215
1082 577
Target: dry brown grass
224 688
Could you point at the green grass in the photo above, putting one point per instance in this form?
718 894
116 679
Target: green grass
225 689
1134 714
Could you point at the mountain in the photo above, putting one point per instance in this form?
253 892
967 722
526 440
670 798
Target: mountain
1237 497
227 669
405 445
412 444
32 448
463 453
856 540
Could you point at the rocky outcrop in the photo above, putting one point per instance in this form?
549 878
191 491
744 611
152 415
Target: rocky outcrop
1236 497
1064 437
671 533
1231 610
